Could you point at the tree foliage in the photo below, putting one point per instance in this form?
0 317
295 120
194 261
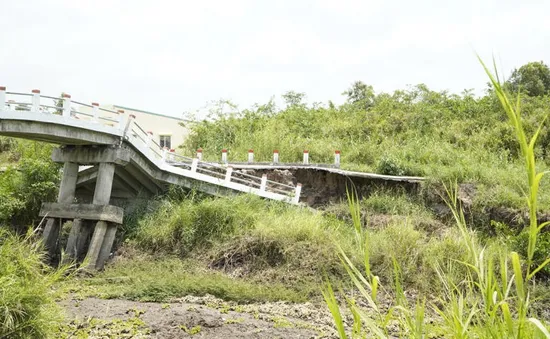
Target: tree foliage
360 93
532 78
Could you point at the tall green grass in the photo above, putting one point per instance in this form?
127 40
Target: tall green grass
492 298
27 295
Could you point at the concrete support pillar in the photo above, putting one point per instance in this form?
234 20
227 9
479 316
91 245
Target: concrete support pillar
50 236
70 250
104 183
107 245
101 243
95 245
83 240
67 187
66 195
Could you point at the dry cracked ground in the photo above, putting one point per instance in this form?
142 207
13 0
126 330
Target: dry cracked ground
197 317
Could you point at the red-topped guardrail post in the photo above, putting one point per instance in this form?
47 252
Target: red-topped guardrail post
250 156
224 156
95 112
199 154
194 164
2 97
337 158
66 105
164 152
172 154
275 156
120 118
36 100
228 173
149 139
263 183
297 192
306 157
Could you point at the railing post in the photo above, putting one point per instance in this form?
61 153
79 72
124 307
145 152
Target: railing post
164 152
250 156
297 193
36 100
306 157
149 140
337 158
224 156
263 184
194 165
66 105
172 157
2 97
199 154
121 118
228 173
95 112
275 156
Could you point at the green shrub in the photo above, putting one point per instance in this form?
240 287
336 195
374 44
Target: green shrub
391 166
180 227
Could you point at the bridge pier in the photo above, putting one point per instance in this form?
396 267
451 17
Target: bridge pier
66 195
98 219
104 234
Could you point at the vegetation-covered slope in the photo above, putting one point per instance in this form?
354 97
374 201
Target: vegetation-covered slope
416 131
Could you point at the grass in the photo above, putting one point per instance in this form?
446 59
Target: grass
27 295
248 250
163 279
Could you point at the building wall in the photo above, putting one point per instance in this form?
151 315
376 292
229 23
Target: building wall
159 124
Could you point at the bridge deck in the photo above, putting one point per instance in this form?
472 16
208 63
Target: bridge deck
149 164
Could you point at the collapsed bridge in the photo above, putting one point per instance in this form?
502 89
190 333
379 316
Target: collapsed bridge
107 155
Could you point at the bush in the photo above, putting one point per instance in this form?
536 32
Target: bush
391 166
180 227
27 305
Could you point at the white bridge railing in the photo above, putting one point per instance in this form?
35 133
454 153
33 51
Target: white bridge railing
65 111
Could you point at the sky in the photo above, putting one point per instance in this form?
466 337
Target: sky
172 57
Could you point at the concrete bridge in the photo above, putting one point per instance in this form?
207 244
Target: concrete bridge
108 155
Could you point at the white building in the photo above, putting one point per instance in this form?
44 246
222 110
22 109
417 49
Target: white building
167 130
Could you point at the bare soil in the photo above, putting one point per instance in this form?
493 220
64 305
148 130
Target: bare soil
200 317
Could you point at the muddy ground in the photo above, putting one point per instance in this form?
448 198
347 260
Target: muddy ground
197 317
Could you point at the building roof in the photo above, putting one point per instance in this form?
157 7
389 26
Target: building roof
152 113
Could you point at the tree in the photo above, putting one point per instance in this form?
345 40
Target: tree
293 99
360 93
532 78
